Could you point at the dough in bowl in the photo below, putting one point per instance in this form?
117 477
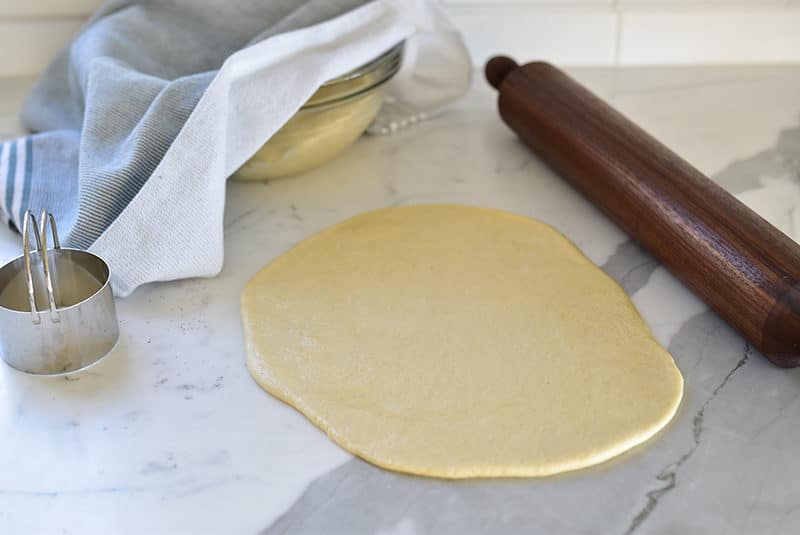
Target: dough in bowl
457 342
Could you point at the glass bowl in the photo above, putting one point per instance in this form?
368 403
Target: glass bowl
328 123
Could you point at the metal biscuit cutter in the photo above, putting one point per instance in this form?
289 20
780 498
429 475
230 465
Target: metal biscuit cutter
57 312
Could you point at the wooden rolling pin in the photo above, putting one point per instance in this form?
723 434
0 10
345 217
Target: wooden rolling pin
740 265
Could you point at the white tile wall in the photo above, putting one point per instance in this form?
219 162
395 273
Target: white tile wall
565 36
570 32
27 45
710 36
46 8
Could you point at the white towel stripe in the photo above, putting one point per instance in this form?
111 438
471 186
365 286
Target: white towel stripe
4 155
19 182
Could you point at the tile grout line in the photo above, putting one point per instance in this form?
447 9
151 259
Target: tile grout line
617 33
21 19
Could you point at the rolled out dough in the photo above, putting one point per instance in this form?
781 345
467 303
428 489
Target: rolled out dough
457 342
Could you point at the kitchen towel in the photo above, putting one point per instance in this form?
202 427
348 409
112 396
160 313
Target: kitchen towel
139 122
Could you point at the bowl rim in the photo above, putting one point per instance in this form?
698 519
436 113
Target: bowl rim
390 59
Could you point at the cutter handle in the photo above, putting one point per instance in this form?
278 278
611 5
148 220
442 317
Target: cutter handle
41 246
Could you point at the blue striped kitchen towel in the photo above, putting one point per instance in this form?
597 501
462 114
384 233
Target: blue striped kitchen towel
16 163
138 123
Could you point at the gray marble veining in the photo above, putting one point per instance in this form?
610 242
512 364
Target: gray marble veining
170 434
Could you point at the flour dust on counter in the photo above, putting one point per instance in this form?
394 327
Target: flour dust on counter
458 342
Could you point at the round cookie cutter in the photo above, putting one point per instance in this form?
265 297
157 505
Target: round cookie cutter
57 312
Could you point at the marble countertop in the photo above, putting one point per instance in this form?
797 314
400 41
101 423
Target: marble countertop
170 434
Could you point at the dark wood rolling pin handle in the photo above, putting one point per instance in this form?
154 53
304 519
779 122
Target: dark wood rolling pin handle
740 265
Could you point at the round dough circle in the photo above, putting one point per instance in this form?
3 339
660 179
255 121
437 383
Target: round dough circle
457 342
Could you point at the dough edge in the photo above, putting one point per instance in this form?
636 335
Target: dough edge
261 376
